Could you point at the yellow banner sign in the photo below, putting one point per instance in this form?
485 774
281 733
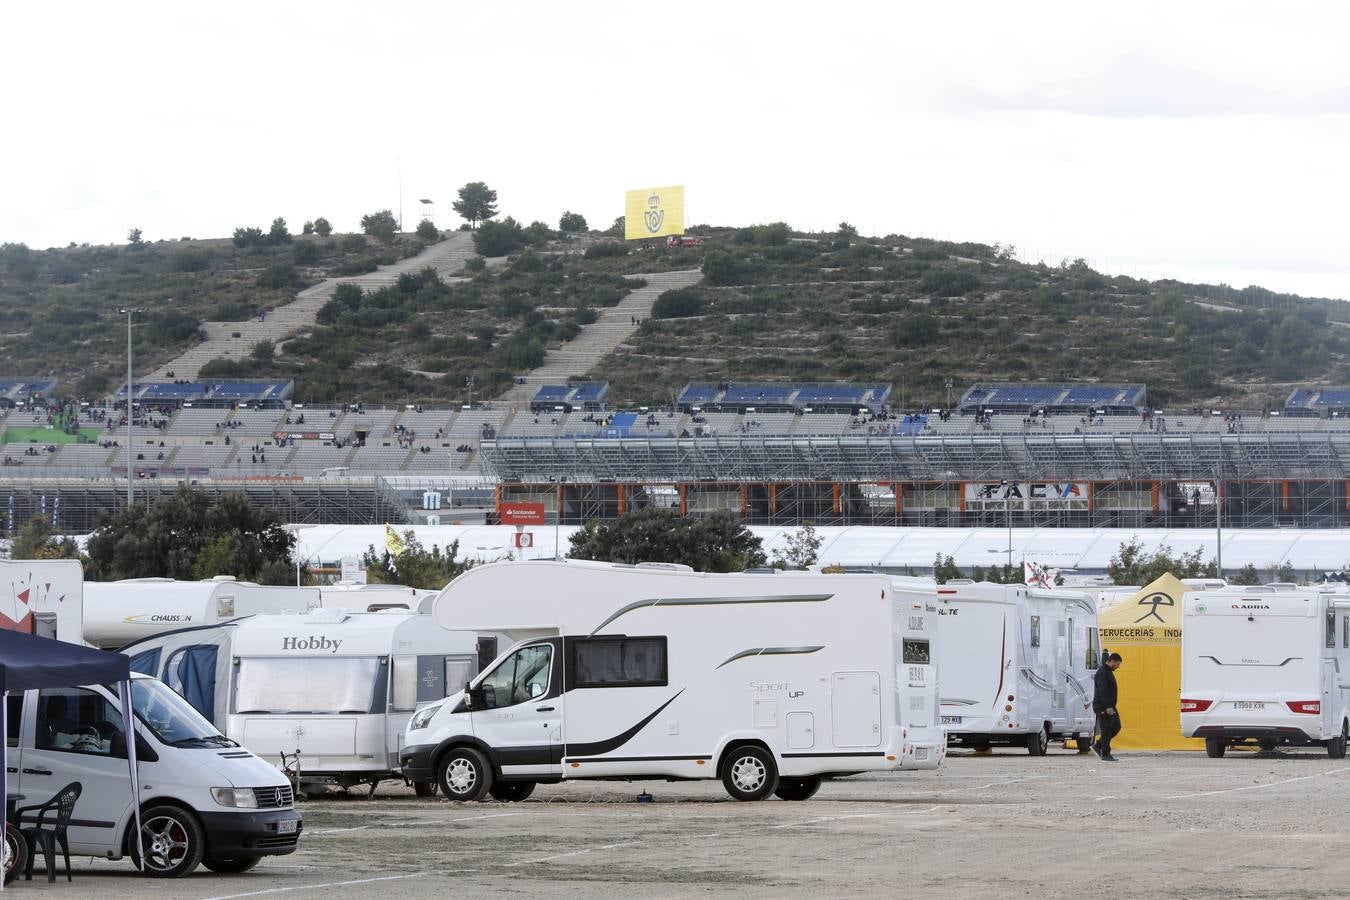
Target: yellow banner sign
653 212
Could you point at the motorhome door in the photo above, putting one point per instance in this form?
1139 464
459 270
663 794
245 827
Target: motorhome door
517 710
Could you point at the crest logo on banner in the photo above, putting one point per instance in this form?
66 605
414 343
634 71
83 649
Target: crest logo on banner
654 215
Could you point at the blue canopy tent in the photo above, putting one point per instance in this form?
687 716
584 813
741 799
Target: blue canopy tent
28 662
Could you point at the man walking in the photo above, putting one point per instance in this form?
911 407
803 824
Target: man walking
1104 705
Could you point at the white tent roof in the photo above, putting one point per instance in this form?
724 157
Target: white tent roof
1084 549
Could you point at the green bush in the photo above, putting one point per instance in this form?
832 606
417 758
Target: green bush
189 260
322 227
678 304
426 230
606 250
949 282
305 253
498 238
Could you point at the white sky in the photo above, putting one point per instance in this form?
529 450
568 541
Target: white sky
1205 141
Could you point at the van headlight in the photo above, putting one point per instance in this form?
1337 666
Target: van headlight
422 718
239 798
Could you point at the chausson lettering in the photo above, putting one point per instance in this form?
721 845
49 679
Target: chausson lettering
313 642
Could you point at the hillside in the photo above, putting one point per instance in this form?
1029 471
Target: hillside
773 305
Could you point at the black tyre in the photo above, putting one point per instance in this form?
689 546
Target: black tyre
1084 742
1215 747
749 773
227 865
1336 746
424 788
15 853
1038 742
463 774
797 788
173 841
511 791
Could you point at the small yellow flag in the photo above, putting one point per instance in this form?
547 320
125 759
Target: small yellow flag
393 542
653 212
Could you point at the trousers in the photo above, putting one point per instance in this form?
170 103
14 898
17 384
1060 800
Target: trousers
1108 726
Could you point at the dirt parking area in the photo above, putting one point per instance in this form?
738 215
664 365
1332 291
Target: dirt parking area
999 825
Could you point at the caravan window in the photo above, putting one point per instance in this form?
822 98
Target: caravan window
619 662
1345 632
1035 631
522 676
313 684
459 671
1331 629
1094 651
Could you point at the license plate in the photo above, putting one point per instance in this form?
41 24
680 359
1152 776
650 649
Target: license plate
1248 704
951 720
920 752
286 827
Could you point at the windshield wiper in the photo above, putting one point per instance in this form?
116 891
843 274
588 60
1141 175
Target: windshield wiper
210 740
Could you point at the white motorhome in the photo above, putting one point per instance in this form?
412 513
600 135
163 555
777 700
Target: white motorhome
1017 665
204 799
374 597
119 612
336 688
43 597
767 682
1268 664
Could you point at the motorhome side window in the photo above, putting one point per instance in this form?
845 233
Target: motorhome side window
76 720
1345 632
1035 631
12 723
522 676
1331 629
1094 650
619 662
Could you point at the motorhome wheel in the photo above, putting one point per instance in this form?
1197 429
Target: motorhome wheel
424 788
511 791
749 773
173 842
1215 747
797 788
231 864
464 774
1336 746
1038 742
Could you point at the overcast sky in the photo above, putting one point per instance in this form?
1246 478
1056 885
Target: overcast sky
1206 141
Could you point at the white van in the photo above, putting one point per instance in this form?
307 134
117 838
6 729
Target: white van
767 682
1017 665
1269 664
333 687
205 799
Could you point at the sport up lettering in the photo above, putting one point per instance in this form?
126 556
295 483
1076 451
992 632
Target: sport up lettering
314 642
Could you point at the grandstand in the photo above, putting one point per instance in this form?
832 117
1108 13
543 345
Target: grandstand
588 396
763 397
1054 398
15 391
775 460
221 394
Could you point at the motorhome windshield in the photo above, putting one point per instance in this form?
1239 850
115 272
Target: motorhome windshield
170 717
305 685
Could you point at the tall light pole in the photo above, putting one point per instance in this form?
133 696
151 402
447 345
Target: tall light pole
1007 508
129 311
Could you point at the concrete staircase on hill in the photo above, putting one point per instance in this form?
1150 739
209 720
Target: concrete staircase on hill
602 337
285 321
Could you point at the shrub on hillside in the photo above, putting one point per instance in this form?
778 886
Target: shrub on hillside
949 283
189 260
426 230
498 238
606 249
678 304
305 253
279 275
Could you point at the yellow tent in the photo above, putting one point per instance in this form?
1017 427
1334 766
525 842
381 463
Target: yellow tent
1145 629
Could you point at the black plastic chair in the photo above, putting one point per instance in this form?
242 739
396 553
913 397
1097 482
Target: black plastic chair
62 805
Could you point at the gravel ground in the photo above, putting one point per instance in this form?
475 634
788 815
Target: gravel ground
999 825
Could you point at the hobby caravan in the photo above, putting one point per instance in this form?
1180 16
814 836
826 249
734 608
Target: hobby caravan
334 688
1266 664
1017 665
768 682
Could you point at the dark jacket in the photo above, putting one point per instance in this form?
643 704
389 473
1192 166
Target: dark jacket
1104 693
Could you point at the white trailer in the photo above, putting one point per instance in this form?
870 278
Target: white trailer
1017 665
119 612
43 597
333 687
768 682
1268 664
